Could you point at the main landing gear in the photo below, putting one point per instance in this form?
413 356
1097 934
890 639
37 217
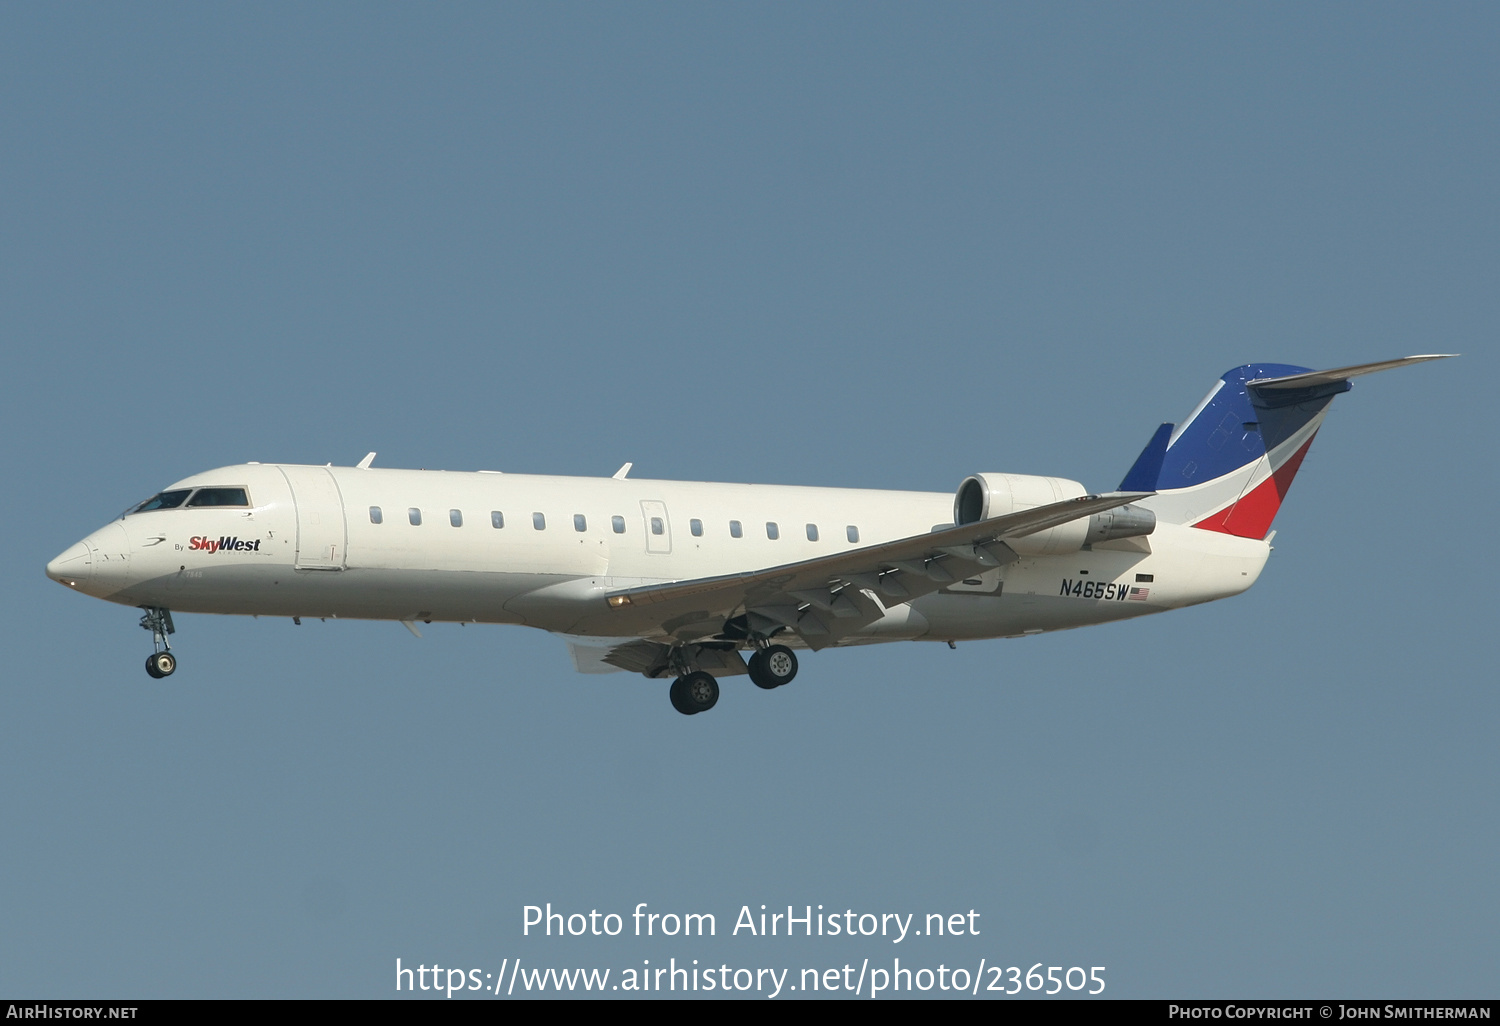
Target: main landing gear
773 666
694 692
158 621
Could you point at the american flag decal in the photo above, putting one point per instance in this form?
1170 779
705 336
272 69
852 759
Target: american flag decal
1139 594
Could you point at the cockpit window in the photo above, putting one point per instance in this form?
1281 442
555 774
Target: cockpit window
162 500
219 497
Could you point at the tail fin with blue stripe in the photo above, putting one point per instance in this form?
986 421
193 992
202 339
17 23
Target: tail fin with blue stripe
1230 464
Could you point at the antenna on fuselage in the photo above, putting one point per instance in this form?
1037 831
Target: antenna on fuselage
364 464
619 475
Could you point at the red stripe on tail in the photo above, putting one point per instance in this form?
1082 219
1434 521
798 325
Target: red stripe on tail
1251 515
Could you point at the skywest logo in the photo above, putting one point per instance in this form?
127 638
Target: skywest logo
204 544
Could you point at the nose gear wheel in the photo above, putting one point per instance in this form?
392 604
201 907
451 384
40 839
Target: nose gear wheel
161 664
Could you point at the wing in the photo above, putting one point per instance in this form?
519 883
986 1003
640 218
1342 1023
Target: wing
830 597
652 658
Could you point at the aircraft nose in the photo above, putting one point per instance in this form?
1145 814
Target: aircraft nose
99 565
73 566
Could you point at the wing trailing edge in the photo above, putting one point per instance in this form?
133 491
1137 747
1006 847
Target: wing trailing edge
826 598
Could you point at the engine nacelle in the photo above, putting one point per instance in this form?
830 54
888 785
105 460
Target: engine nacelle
983 496
1120 522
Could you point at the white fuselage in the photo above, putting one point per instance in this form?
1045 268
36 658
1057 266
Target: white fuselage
544 551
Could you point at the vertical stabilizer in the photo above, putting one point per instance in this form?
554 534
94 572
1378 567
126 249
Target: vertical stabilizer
1229 465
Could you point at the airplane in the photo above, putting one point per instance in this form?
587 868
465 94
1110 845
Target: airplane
697 581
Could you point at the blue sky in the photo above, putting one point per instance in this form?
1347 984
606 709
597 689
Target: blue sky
864 245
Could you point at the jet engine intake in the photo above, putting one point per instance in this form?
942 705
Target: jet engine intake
984 496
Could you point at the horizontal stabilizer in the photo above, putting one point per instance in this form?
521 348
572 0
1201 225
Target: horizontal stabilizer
1330 377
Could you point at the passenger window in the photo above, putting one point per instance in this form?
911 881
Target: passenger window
219 497
579 522
375 516
657 527
696 526
539 521
415 516
618 523
853 533
456 517
812 532
772 531
735 530
497 519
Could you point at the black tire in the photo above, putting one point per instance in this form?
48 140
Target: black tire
773 667
759 675
678 695
699 691
161 664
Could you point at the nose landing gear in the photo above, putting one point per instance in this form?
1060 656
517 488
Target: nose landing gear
161 664
158 621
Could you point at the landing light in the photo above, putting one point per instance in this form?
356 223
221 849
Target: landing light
616 601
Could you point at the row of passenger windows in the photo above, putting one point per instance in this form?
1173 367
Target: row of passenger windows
616 523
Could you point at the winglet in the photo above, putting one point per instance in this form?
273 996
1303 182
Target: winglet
364 464
619 475
1144 474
